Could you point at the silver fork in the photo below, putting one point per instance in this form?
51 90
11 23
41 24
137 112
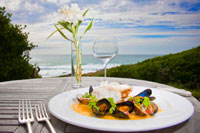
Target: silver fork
25 113
42 115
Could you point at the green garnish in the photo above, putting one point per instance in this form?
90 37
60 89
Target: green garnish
87 95
137 100
93 102
113 105
146 102
130 99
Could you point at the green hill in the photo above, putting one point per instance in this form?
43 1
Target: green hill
181 70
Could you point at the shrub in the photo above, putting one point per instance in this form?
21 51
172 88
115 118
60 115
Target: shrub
14 50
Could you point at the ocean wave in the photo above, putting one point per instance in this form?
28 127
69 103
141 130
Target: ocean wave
52 71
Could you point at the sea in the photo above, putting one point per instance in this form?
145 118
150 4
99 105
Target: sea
56 65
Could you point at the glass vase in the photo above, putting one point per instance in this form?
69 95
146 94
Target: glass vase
76 61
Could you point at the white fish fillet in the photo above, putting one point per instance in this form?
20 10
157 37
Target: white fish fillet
113 89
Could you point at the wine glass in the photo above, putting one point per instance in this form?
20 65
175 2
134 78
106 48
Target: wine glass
105 48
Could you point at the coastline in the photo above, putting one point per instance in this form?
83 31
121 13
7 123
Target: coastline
60 65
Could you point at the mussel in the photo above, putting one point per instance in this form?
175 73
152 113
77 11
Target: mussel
84 100
119 114
145 93
125 106
151 98
140 109
123 109
103 105
91 89
150 110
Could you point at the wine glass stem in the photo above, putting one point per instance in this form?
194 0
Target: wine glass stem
105 66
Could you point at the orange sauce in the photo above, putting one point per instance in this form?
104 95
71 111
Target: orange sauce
86 110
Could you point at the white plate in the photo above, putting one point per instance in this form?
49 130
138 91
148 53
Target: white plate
175 109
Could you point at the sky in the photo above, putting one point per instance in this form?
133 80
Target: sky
140 26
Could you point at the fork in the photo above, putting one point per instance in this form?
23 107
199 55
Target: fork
25 113
41 115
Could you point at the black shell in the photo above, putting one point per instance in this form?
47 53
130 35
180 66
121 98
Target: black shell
104 106
153 106
145 93
120 114
127 103
138 111
151 98
90 89
84 100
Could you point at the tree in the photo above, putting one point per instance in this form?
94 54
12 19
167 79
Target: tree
14 50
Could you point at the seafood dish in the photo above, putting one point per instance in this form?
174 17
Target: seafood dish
113 101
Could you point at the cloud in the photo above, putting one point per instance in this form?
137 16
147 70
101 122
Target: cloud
145 22
12 5
57 2
19 5
147 13
32 7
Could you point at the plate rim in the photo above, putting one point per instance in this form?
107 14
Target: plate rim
112 129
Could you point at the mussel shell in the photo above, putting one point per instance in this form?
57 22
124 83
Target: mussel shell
104 106
119 114
90 89
145 93
152 98
152 109
123 114
84 100
139 111
129 104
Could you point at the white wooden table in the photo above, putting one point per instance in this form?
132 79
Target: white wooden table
42 90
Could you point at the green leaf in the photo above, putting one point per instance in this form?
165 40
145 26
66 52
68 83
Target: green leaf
89 26
66 25
77 26
62 34
113 105
79 22
93 102
146 102
130 99
87 95
85 12
137 100
52 34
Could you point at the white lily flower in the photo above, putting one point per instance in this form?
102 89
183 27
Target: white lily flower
71 14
